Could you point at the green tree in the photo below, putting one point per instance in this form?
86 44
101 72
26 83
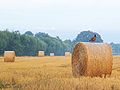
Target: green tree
68 45
85 36
54 45
29 33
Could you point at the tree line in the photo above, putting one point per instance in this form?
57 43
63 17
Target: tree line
115 48
28 44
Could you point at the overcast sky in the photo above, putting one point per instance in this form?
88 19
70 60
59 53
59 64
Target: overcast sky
63 18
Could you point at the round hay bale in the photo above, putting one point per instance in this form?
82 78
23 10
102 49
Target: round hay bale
41 53
9 56
52 54
67 53
92 59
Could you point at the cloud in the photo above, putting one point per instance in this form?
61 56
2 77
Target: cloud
68 16
45 28
63 4
23 4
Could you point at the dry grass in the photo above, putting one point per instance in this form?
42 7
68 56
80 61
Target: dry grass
52 73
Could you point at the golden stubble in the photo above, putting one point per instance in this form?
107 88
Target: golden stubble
52 73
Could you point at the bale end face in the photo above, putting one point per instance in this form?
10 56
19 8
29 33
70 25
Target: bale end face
91 59
67 53
9 56
41 53
52 54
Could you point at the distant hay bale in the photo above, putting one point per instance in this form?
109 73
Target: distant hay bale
9 56
92 59
52 54
41 53
67 53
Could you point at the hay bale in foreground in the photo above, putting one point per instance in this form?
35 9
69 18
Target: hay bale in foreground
92 59
41 53
9 56
67 53
52 54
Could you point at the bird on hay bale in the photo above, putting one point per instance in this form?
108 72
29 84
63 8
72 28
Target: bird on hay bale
93 39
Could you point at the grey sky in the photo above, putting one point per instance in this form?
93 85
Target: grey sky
64 18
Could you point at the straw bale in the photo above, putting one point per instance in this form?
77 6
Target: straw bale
67 53
41 53
51 54
92 59
9 56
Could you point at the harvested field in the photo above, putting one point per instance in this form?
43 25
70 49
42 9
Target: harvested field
52 73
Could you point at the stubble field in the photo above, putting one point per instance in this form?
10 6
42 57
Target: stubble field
52 73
